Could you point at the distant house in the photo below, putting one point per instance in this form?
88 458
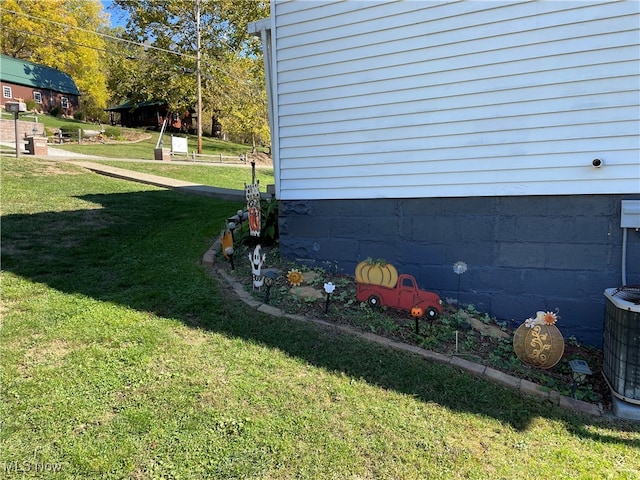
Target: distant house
501 134
48 87
148 114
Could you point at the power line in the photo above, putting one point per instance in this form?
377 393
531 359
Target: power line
146 45
112 52
4 27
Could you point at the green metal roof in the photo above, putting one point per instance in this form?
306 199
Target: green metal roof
21 72
130 104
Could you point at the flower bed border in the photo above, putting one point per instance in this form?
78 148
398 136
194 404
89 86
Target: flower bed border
525 387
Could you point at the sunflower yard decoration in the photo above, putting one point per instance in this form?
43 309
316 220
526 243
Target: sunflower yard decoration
294 277
538 342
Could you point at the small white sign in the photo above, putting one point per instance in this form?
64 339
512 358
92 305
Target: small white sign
179 145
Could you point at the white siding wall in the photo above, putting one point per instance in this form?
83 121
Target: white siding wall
440 99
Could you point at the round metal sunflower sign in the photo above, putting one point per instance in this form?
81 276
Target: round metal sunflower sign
538 342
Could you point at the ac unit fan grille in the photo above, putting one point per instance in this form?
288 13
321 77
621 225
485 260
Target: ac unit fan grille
629 294
621 347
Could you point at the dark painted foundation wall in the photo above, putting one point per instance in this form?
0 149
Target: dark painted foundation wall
523 254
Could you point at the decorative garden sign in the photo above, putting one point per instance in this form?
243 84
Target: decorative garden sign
257 259
538 341
252 192
378 283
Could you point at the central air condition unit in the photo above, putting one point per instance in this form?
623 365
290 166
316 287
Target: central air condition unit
621 347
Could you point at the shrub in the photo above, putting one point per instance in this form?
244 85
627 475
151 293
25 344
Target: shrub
269 234
31 104
113 132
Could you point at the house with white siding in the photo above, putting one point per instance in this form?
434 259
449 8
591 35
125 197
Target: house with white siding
501 134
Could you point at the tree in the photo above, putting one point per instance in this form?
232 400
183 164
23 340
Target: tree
139 75
231 62
60 34
239 97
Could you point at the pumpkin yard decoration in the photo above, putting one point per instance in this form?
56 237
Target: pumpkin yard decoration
538 342
376 273
379 284
417 313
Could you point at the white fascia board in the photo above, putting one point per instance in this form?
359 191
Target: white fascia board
255 28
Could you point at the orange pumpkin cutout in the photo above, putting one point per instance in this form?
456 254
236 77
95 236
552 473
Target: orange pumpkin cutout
417 312
376 273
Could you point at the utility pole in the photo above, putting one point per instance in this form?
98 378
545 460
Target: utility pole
198 78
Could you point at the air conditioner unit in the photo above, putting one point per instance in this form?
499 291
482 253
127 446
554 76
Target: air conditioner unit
621 349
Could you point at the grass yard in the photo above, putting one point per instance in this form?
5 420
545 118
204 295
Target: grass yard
129 143
218 176
123 358
144 148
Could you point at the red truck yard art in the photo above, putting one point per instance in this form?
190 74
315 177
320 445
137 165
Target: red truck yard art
378 283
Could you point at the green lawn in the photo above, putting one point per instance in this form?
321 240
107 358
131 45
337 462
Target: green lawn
214 175
144 149
143 146
123 358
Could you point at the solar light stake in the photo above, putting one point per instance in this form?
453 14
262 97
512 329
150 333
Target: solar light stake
269 279
459 268
579 371
229 252
328 288
417 313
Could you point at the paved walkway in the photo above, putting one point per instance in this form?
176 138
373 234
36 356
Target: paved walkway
55 152
165 182
149 179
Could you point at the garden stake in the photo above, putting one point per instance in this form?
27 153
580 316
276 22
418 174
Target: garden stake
417 313
269 279
459 268
229 253
329 287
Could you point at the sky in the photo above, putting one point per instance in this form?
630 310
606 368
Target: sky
117 16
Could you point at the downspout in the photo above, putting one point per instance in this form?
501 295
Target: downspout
262 28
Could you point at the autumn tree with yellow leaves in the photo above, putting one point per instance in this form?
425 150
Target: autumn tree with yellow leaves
60 34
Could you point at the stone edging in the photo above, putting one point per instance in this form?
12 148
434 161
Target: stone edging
523 386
